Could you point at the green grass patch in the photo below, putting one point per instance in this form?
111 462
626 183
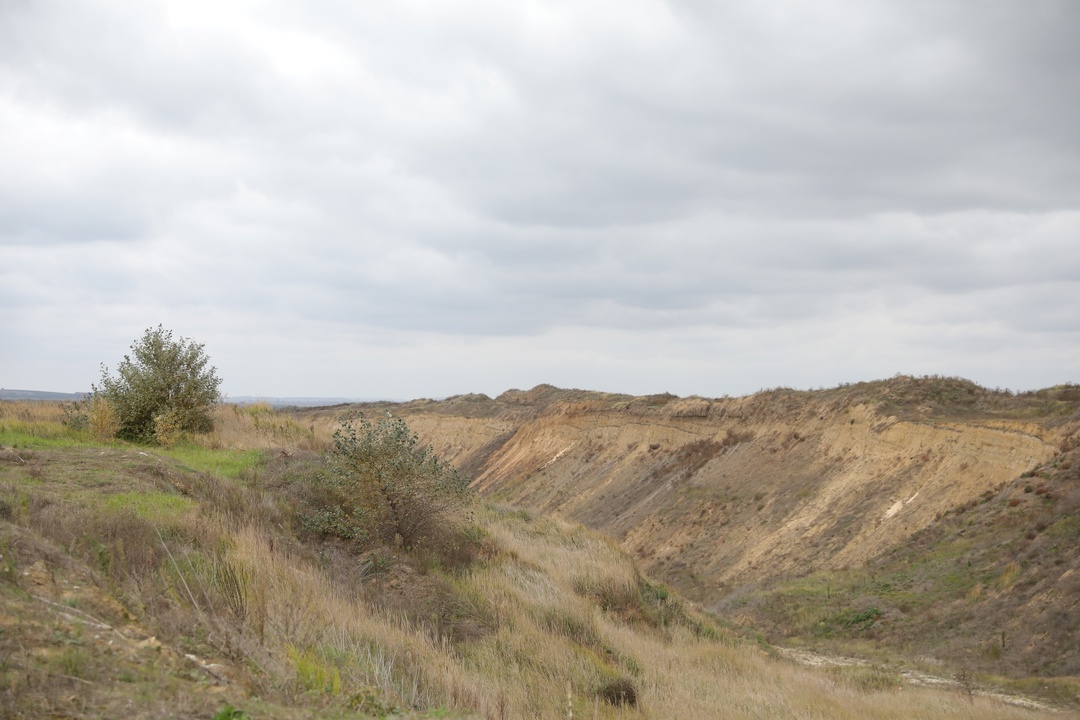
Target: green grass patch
224 463
857 619
154 506
39 434
1067 529
314 674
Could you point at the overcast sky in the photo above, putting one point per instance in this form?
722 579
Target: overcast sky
417 199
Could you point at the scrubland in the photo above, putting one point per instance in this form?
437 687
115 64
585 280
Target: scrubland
187 582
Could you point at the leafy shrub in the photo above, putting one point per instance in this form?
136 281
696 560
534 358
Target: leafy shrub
383 486
165 387
74 416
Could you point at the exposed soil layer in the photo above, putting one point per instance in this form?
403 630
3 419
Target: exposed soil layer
718 496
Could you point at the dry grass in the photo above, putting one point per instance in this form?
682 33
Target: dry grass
258 425
32 411
21 420
247 427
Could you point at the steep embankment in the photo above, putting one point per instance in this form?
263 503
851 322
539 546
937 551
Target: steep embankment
722 496
143 582
710 493
993 585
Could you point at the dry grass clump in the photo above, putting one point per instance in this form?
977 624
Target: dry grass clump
619 692
259 425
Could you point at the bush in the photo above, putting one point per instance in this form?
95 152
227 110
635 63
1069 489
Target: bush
164 388
101 418
382 486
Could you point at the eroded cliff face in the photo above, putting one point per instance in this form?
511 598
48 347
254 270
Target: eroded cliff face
709 494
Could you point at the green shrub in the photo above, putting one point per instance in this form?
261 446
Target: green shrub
382 486
164 388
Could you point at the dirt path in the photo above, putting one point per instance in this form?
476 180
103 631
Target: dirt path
913 677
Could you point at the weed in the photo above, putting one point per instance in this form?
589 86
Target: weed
73 661
965 680
370 702
232 582
8 571
230 713
74 416
1008 575
313 674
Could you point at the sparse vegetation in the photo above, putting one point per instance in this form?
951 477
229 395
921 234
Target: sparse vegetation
204 566
381 486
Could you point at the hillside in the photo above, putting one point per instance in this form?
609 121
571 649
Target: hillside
725 498
187 582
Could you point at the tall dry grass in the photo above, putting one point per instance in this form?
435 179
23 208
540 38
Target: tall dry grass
538 595
259 426
37 419
236 427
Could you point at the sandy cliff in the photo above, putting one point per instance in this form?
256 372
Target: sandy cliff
712 493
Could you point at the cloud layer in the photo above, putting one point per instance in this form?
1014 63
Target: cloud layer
423 198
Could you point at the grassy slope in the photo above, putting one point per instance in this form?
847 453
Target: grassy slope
989 585
133 584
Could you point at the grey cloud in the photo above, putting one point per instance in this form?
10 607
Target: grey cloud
825 136
89 57
644 185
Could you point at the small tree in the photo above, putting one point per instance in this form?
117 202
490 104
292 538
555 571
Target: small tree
385 487
164 384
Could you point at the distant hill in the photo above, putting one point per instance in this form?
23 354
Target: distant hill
299 402
278 402
6 394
